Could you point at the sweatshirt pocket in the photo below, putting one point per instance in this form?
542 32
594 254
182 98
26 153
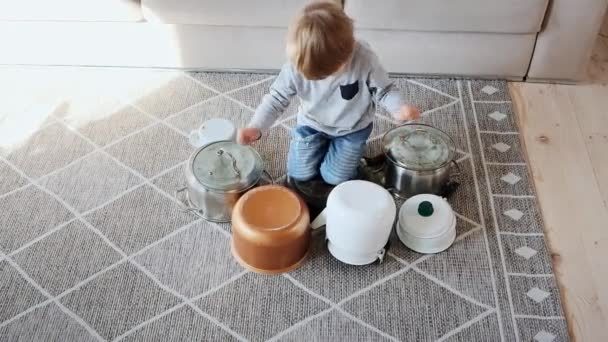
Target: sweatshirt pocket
349 91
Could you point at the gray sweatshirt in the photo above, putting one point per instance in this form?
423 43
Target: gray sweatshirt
337 105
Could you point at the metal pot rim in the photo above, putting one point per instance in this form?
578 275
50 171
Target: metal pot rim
399 164
190 168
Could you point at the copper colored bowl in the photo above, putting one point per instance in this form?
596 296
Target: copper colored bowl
270 230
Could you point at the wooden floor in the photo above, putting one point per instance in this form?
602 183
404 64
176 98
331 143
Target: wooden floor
565 130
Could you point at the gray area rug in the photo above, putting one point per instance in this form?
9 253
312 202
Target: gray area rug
93 247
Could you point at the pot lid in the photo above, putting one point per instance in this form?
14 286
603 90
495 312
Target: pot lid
212 130
418 147
226 166
217 129
426 216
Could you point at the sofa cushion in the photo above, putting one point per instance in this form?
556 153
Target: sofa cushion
268 13
71 10
500 16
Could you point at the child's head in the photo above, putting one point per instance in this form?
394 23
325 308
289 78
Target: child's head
320 40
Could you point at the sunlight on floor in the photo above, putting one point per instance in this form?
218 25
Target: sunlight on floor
36 96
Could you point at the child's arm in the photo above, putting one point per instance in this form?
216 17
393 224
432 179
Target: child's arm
387 95
272 107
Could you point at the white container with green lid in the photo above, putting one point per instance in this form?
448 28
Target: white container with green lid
427 224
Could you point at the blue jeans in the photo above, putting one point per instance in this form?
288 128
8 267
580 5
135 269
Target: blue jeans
336 158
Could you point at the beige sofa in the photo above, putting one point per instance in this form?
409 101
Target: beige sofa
513 39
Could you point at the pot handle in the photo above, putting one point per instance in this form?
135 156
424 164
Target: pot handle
381 256
384 251
320 220
458 169
396 194
236 170
272 182
185 205
452 184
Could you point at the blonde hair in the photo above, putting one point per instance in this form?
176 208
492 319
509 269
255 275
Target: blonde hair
320 40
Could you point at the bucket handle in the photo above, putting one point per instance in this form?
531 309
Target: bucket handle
320 220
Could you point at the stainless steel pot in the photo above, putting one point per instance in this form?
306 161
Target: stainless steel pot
217 175
419 159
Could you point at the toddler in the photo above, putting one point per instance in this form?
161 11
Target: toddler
339 80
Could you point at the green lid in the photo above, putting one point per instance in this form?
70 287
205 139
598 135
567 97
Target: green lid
425 209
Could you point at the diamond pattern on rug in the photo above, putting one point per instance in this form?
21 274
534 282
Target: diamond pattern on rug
465 200
10 179
495 117
526 252
332 279
47 150
535 260
26 215
450 120
273 148
183 324
111 126
519 215
537 296
17 294
193 261
112 307
223 82
145 134
502 148
74 253
219 107
423 98
510 180
416 300
454 268
177 94
260 307
542 330
138 218
514 214
90 182
171 180
46 323
252 96
440 86
147 155
490 90
332 326
487 329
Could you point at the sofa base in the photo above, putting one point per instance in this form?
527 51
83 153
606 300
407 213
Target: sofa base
245 48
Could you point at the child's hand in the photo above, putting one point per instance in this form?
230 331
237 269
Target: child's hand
247 136
408 113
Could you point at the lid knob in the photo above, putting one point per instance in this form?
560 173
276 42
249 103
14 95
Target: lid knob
425 209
